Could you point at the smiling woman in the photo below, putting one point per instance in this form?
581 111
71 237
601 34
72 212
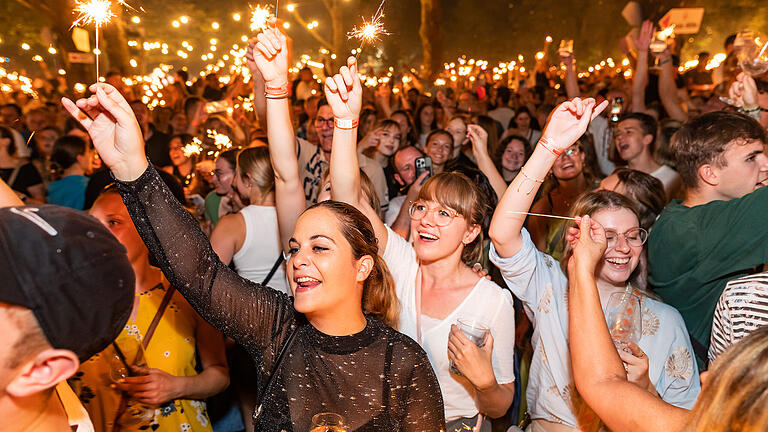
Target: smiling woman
542 286
436 285
305 353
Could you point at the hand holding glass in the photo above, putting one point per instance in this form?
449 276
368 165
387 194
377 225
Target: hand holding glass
625 319
475 332
328 422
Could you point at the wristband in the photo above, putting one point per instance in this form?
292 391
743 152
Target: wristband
547 144
345 124
665 61
280 92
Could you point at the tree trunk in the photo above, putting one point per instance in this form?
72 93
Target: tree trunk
431 37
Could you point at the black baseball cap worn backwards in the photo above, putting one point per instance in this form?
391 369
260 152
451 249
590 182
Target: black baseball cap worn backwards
70 271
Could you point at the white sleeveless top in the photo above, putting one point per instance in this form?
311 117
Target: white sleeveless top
261 248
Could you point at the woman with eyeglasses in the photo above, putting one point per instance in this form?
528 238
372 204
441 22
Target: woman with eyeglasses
569 177
434 280
661 362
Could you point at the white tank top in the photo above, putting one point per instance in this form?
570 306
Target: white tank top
261 248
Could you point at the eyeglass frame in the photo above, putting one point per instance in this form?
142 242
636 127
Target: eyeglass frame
453 213
572 151
615 240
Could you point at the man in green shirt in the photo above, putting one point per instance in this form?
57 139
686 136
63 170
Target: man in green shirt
719 232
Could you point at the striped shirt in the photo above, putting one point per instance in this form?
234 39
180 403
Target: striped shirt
742 309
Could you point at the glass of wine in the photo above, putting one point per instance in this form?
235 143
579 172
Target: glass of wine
475 331
624 316
752 52
328 422
126 356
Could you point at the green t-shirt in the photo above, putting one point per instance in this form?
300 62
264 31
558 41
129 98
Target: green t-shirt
694 251
212 202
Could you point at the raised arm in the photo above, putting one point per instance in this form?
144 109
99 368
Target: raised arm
597 369
255 316
269 55
479 138
571 82
640 78
344 93
668 88
567 123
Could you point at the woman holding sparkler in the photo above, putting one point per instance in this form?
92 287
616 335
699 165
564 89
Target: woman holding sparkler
308 348
668 368
435 282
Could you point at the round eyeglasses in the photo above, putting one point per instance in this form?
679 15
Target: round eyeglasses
634 237
440 216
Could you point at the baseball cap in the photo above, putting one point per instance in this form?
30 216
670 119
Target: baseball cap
70 271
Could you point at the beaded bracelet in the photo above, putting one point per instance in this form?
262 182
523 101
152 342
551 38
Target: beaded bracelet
345 124
548 145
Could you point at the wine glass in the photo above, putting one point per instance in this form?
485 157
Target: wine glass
475 331
328 422
751 52
624 316
127 354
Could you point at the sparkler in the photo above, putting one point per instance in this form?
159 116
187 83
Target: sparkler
541 215
98 13
193 148
260 17
220 141
371 30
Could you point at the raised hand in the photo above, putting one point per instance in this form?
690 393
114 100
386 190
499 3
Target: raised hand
344 92
588 248
643 40
479 138
269 53
743 92
569 121
113 128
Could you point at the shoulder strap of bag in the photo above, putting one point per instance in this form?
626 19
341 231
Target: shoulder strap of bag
158 315
276 368
274 269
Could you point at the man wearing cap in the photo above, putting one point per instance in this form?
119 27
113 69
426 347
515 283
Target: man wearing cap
66 291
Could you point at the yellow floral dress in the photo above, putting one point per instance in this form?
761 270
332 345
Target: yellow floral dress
171 349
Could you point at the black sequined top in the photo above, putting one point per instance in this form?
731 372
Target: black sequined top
378 379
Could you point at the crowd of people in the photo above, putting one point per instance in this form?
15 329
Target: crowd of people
408 260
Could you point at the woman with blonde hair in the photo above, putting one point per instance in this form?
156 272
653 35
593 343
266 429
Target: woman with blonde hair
734 391
436 285
305 348
249 238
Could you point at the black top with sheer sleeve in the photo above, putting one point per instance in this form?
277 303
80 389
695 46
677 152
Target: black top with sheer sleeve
378 379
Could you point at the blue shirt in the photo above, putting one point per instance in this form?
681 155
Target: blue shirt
68 192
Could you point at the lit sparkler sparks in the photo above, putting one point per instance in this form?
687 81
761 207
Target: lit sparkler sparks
371 30
193 148
260 18
667 32
220 141
98 13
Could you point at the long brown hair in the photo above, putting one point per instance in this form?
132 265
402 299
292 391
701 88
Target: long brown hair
379 295
736 396
456 191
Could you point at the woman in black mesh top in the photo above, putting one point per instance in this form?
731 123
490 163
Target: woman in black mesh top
341 358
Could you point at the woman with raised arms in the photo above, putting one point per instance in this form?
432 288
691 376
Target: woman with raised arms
435 283
338 356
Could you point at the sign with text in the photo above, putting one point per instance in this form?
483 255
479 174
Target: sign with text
685 20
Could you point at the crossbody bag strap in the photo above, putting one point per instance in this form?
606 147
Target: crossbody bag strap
158 315
14 174
276 368
274 269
